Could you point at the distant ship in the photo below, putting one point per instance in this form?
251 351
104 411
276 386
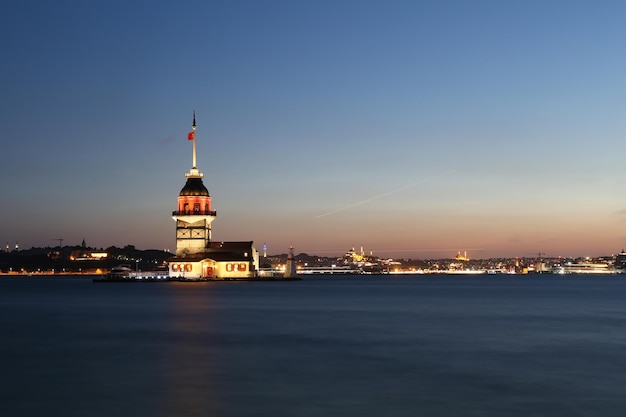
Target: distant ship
583 268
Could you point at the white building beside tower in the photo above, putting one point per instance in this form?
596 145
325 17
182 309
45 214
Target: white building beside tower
198 257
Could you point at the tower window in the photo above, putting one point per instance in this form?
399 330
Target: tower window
196 207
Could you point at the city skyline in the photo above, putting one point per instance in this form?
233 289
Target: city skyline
412 129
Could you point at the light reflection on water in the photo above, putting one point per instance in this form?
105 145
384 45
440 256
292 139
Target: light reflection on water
342 347
190 376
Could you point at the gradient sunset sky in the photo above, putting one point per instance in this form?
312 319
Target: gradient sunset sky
415 129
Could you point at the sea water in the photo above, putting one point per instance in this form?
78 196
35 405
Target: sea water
325 346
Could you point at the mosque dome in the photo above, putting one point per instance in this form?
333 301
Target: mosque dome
194 187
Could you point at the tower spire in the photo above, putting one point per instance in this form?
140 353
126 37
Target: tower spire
193 172
193 128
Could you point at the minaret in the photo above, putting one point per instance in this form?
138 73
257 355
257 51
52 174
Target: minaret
194 215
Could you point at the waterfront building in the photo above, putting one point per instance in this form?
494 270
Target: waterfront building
620 262
198 257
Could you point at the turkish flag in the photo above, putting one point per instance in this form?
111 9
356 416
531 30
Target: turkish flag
191 136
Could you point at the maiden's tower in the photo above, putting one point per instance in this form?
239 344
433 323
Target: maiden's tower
198 257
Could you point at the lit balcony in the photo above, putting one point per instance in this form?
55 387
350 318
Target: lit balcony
195 213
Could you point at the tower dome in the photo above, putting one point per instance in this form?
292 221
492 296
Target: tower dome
194 187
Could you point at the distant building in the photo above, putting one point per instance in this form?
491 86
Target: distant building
197 256
87 255
460 257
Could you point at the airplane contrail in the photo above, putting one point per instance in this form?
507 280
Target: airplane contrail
383 195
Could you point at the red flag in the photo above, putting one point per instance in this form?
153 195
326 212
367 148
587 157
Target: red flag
191 136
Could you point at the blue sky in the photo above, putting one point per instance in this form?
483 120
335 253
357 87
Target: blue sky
412 128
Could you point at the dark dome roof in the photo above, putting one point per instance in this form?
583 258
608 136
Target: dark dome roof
194 187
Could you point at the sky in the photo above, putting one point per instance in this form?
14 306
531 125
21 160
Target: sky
413 129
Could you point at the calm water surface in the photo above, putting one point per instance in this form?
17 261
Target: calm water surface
376 346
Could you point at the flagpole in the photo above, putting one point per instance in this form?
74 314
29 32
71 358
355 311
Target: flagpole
193 128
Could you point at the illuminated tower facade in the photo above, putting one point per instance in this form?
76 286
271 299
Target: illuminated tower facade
194 215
